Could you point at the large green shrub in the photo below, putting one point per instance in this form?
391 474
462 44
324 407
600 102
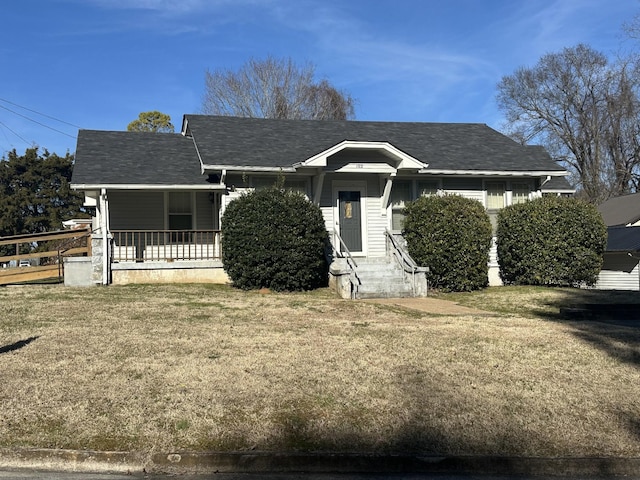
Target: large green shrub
451 235
274 239
550 241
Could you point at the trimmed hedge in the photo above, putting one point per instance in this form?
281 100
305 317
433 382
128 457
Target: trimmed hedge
550 241
451 235
274 239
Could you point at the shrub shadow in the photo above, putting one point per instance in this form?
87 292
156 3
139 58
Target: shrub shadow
17 345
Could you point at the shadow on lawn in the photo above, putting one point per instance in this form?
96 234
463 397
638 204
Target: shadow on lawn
610 321
17 345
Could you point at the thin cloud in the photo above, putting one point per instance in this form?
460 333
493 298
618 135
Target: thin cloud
360 55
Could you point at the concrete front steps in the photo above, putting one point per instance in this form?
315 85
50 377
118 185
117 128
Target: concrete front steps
379 277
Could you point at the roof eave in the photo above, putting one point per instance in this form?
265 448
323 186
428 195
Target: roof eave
499 173
246 168
143 186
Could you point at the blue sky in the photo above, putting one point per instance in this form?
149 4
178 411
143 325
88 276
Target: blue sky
96 64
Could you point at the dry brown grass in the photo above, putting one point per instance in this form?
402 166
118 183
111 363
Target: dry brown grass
157 368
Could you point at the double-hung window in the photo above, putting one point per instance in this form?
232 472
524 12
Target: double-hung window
427 187
520 192
495 195
400 196
495 200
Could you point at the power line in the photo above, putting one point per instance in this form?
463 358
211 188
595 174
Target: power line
35 121
16 134
39 113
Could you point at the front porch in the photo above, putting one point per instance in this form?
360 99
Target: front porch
141 246
195 256
166 256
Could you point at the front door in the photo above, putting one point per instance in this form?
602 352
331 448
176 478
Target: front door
350 219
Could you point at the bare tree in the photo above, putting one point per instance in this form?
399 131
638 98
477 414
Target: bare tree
274 88
585 111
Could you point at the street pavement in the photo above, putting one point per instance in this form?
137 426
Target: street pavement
49 475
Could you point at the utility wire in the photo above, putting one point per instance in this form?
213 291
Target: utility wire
39 113
35 121
17 135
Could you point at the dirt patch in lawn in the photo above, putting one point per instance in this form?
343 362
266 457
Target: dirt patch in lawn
430 305
194 367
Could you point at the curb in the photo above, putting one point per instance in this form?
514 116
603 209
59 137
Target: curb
263 462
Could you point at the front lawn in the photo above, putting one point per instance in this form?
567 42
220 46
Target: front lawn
195 367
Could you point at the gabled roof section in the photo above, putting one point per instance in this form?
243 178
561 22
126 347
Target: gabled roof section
404 161
624 210
105 158
251 143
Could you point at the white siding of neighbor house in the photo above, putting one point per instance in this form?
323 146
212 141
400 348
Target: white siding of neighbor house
136 210
619 272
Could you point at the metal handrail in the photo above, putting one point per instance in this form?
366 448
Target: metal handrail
408 264
354 278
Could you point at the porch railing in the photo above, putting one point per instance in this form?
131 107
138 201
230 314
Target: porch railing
165 245
341 250
409 267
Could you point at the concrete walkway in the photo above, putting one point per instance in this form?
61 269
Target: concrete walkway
430 305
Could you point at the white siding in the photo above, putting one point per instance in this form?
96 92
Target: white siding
619 272
136 210
376 222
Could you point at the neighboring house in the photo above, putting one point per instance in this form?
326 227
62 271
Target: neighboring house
621 211
621 270
557 186
160 198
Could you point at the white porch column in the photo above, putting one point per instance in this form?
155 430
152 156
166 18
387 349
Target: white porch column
106 237
384 204
318 182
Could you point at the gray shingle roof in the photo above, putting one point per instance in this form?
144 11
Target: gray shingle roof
141 158
621 210
623 239
558 184
144 158
233 141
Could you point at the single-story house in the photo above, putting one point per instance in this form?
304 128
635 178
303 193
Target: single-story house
160 198
621 269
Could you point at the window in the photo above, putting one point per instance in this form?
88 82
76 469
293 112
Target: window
495 195
296 185
263 182
426 188
495 201
290 183
180 211
400 194
520 192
